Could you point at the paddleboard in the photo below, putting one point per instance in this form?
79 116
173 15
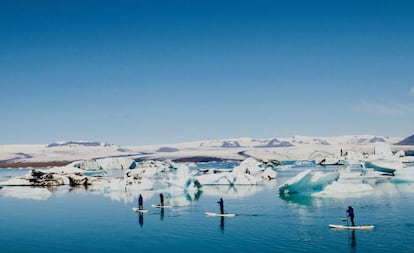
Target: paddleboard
158 206
220 215
136 209
362 227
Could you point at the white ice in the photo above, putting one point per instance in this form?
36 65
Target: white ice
156 176
308 181
344 190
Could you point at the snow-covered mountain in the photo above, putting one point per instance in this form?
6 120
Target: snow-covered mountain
79 143
246 142
407 141
297 140
291 148
341 140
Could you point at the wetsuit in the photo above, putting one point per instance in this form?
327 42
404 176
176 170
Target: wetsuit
221 203
140 202
161 199
350 213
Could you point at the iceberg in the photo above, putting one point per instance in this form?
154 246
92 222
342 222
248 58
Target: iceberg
383 160
384 165
260 170
308 181
116 163
166 176
352 174
337 189
65 175
404 175
320 180
249 172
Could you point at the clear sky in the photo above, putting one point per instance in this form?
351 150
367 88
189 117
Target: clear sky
157 72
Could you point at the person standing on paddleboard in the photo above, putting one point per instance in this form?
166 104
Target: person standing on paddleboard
140 202
161 199
350 214
221 203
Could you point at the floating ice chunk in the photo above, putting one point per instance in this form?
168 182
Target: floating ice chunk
382 150
362 175
249 165
181 176
337 189
298 183
404 175
53 177
117 163
269 174
111 163
89 165
320 180
384 165
256 171
308 181
227 178
20 181
65 170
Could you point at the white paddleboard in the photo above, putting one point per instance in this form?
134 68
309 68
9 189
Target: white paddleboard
362 227
136 209
158 206
220 215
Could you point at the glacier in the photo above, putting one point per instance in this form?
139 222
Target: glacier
122 172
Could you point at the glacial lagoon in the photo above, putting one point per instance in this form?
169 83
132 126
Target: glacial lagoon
78 219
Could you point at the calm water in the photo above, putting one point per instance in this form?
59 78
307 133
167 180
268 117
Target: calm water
86 221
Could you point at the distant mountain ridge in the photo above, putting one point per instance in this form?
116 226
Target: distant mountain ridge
79 143
407 141
289 148
295 140
246 142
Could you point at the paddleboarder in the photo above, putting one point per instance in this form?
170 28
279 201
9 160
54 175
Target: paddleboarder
140 202
221 203
350 214
161 199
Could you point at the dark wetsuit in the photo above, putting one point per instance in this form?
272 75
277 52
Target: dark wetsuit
350 213
221 203
140 202
161 199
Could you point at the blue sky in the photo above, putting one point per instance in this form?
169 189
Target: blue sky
156 72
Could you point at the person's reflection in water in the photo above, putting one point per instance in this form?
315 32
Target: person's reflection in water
141 219
222 224
353 242
162 214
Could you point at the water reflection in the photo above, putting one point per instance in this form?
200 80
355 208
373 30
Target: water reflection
298 199
232 191
26 192
162 214
222 224
116 189
141 219
353 242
